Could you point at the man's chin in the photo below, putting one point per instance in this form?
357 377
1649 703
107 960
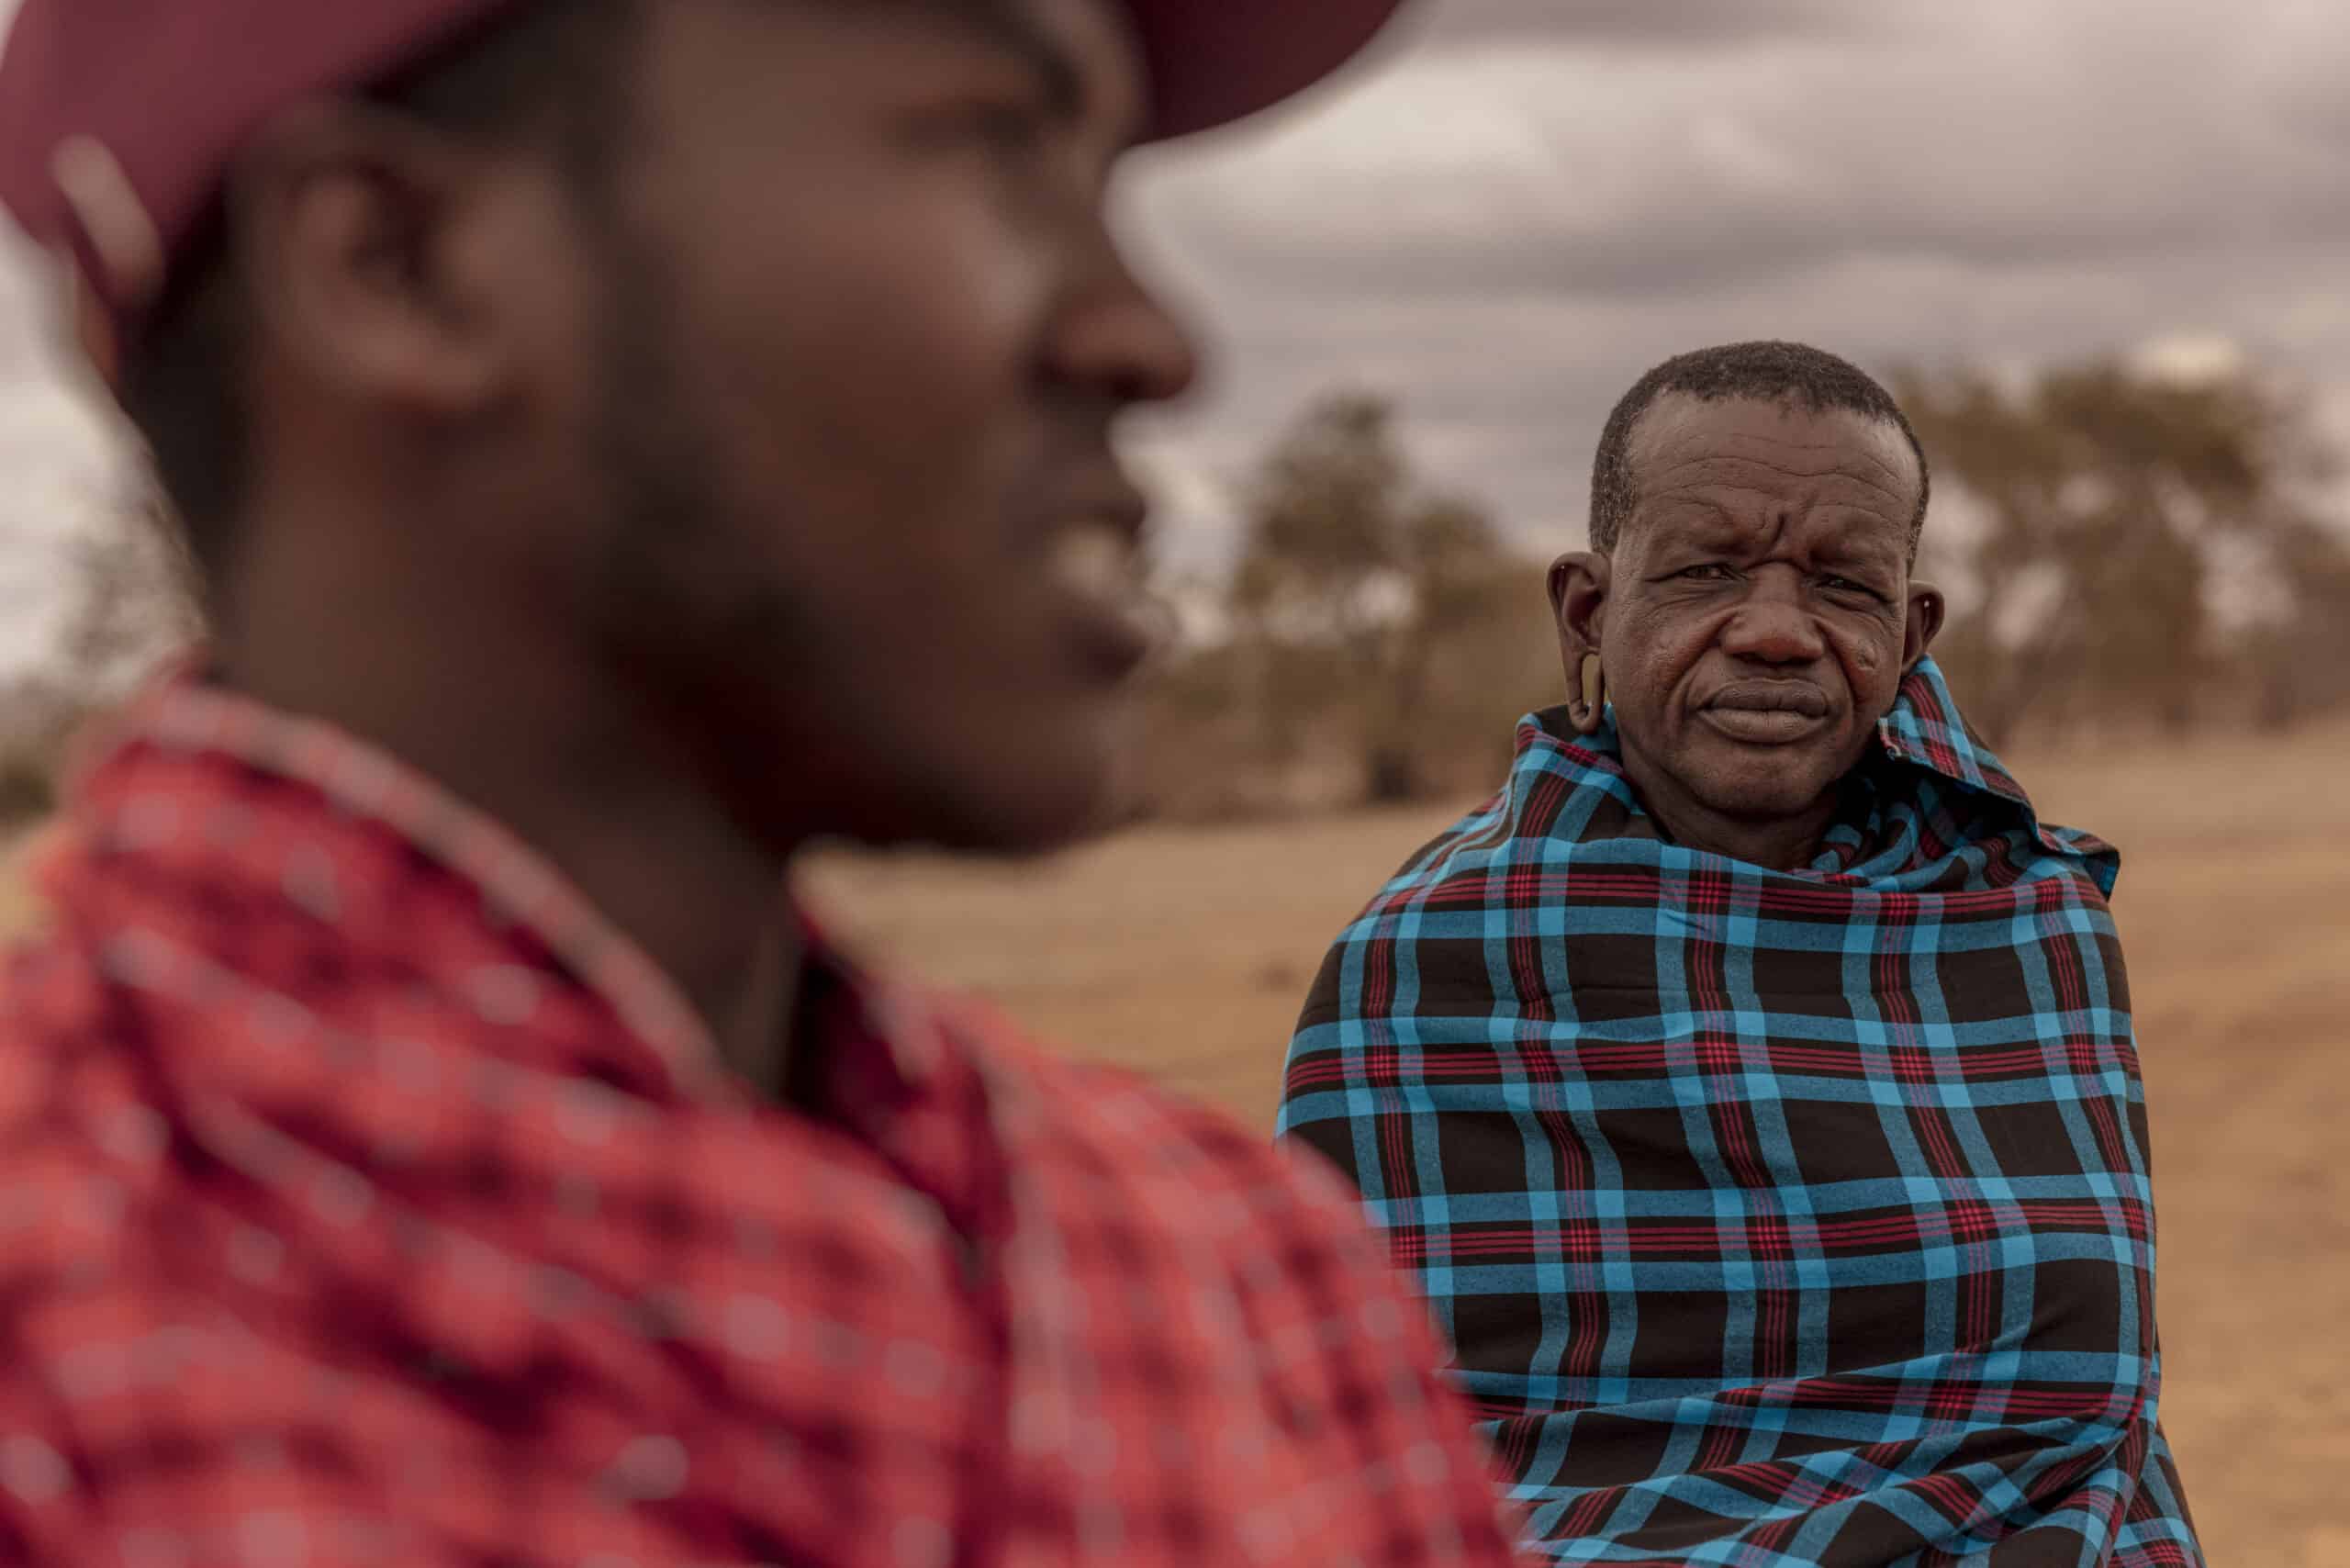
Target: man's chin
1763 784
1033 811
1024 832
998 779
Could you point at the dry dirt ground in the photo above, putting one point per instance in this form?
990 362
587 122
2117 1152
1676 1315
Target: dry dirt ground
1185 953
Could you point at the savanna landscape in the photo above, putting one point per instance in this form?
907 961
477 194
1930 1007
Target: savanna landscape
2114 311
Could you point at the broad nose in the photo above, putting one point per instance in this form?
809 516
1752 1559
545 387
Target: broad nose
1117 340
1771 626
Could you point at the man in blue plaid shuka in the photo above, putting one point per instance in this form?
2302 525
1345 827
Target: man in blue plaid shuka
1776 1217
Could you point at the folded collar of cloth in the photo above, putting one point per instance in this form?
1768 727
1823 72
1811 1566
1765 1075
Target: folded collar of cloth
113 775
1924 742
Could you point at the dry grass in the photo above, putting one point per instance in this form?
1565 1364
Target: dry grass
1185 953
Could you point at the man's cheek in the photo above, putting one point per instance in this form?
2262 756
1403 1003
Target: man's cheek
1869 661
1868 658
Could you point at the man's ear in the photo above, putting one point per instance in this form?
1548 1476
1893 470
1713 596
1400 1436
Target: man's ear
351 225
1923 625
1578 583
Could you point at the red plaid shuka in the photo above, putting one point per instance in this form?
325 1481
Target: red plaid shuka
366 1199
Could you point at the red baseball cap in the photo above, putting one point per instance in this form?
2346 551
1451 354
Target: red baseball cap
119 117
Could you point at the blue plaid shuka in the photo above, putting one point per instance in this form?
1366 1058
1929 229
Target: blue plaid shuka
1776 1219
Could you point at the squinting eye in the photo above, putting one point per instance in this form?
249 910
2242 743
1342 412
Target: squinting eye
1711 572
1846 584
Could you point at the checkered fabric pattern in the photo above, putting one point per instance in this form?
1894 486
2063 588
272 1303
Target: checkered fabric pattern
1776 1219
366 1199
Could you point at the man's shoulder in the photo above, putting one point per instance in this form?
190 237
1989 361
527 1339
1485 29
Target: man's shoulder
53 1022
74 1120
83 1151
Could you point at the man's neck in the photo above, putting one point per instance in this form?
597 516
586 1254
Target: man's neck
558 758
1780 844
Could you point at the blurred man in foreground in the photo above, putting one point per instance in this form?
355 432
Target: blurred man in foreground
621 442
1752 1083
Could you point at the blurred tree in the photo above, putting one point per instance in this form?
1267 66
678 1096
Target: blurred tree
2104 499
2297 664
1356 595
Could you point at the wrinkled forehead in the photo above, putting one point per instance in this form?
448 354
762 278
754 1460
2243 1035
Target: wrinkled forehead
1752 459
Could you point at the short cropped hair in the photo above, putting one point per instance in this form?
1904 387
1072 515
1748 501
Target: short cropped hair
1767 371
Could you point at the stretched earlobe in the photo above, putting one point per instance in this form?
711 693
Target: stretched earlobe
1591 709
1578 584
1923 621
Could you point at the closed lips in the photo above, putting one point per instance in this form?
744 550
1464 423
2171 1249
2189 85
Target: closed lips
1772 696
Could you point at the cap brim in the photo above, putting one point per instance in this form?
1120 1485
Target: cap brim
1213 62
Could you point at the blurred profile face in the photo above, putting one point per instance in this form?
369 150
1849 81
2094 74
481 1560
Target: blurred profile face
843 406
1759 614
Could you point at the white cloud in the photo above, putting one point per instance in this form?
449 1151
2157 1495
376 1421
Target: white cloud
2191 359
1509 224
1681 27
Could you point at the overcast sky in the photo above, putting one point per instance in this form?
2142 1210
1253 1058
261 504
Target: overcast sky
1520 205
